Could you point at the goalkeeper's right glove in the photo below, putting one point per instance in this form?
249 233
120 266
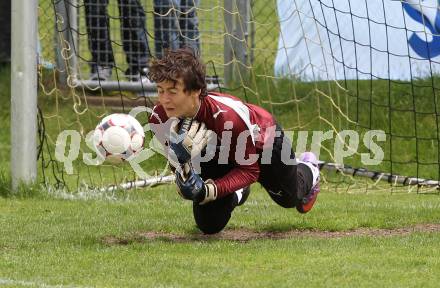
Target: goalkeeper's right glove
193 188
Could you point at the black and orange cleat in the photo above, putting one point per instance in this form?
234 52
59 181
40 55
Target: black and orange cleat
309 159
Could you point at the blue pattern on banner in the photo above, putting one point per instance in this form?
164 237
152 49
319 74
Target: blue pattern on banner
423 48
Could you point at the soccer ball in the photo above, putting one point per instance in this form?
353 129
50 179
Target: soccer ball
117 137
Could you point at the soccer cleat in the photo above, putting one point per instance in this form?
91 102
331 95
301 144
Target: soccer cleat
138 75
101 73
309 159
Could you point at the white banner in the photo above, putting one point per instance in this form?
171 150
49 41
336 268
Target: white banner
358 39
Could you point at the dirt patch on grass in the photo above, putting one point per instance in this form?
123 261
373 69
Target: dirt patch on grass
245 235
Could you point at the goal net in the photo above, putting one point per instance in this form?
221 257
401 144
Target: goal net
354 81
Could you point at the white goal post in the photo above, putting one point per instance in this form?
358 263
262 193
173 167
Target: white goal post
24 41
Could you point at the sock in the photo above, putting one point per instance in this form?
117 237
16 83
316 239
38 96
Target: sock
304 180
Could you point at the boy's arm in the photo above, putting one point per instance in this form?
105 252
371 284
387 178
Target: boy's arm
239 177
247 168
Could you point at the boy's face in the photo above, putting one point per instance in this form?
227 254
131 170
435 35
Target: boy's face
177 102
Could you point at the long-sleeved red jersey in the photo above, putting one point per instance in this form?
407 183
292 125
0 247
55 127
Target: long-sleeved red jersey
222 113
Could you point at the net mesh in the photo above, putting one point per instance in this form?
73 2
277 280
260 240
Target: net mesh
242 43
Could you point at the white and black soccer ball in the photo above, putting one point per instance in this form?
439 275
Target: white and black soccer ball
118 136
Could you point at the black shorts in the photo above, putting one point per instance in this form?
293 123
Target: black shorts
279 180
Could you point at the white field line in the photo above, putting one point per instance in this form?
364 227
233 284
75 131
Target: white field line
5 281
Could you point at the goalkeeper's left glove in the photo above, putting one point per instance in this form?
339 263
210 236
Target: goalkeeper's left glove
193 188
188 140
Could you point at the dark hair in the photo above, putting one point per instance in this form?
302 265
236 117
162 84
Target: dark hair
181 63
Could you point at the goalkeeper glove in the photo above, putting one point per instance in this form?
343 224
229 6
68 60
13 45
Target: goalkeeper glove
193 188
188 140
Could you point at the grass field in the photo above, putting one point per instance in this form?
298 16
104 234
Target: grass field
47 241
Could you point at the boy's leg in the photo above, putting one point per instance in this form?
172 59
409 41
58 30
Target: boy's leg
98 31
309 163
189 25
287 184
134 36
166 34
212 217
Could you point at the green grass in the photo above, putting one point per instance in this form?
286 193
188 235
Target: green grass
54 241
5 92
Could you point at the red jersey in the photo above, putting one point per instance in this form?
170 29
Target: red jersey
220 113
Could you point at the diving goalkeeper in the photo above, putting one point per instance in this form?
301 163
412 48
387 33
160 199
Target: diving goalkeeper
249 145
